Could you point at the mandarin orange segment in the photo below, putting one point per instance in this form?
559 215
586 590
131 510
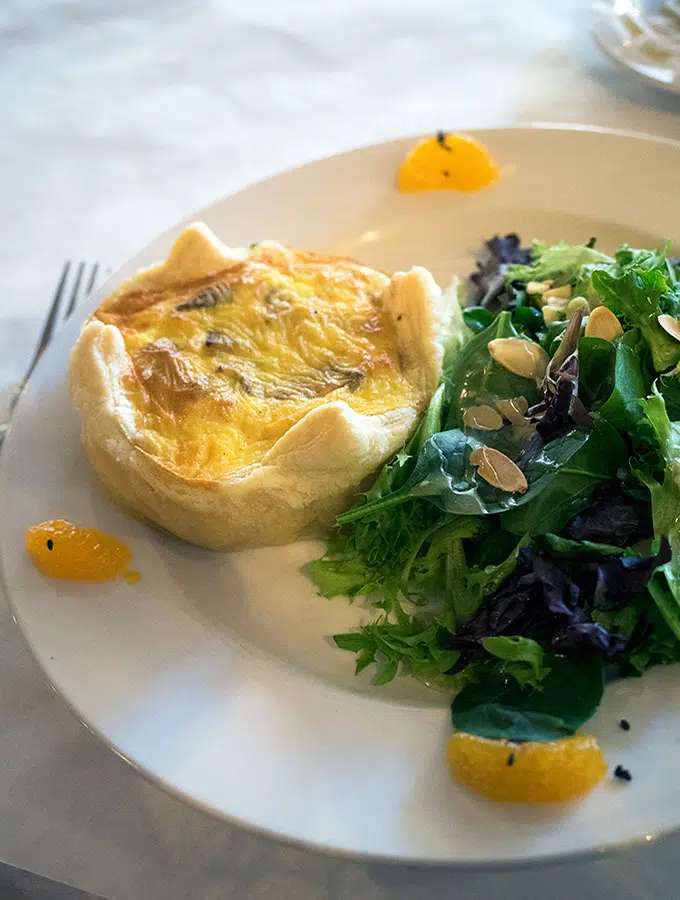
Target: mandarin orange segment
533 772
60 550
448 162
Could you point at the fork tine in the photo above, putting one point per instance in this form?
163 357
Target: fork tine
51 320
81 289
93 278
73 302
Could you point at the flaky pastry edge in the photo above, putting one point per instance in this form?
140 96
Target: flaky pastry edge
308 476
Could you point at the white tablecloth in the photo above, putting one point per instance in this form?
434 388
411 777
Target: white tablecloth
117 117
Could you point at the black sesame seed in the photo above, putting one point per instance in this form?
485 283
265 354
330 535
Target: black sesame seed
511 759
624 724
50 544
445 173
441 140
622 774
399 317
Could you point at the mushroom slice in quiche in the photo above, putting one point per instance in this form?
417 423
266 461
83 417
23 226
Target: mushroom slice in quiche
239 398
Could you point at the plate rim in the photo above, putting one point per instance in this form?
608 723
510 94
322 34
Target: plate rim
528 126
322 849
231 819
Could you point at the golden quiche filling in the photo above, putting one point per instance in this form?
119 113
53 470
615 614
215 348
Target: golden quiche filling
223 366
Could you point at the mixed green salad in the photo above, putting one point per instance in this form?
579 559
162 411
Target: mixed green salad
524 546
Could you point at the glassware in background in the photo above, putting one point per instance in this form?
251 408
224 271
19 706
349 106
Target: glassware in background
643 37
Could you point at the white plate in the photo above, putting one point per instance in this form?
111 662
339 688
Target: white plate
215 676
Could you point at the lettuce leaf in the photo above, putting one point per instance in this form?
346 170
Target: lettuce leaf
665 584
479 588
526 655
574 482
455 332
560 263
639 297
665 496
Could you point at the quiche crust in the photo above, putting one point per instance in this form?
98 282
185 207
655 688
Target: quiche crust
240 398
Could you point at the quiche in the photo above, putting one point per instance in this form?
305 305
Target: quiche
239 398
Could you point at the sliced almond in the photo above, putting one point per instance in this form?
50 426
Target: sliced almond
499 470
560 303
574 305
513 409
538 287
602 323
670 326
520 357
483 417
563 292
551 314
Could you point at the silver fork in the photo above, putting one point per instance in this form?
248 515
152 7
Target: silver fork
76 283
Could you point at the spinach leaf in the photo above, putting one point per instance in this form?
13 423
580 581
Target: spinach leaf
632 382
664 586
528 319
665 590
568 549
496 707
397 473
553 337
477 318
640 296
444 475
669 388
492 548
596 359
474 377
572 484
452 482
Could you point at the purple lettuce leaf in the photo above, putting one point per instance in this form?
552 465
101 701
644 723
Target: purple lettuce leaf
550 600
487 283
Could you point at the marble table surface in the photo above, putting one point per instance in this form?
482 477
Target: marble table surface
117 118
